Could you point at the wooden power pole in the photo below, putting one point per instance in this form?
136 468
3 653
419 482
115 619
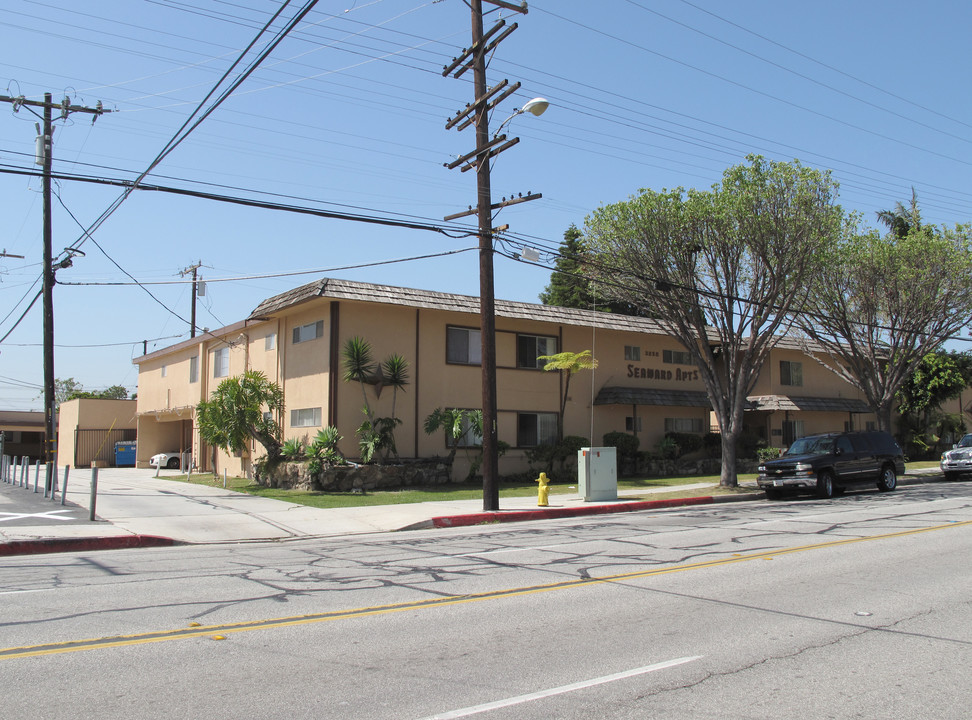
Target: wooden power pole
486 99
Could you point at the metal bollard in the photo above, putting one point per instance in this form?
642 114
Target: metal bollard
24 477
94 493
67 468
36 474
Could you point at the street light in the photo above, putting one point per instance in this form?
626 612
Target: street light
487 310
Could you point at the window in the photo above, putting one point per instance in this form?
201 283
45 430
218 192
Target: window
530 347
469 437
677 357
463 346
221 362
270 341
310 331
684 425
534 429
305 417
632 352
792 429
194 369
791 373
629 424
164 371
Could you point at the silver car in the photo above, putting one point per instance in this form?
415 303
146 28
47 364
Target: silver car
958 460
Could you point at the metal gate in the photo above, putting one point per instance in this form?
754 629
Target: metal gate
91 445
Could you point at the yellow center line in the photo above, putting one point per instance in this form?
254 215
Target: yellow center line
210 630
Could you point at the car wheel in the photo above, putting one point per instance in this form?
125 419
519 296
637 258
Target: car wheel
772 493
173 463
888 480
825 484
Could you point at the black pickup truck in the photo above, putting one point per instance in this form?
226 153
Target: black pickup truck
830 463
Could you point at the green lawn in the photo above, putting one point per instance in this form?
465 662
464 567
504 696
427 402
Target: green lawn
454 491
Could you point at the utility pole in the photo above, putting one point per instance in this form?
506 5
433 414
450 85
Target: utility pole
474 58
192 269
45 158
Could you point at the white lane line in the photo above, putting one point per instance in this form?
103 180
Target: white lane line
476 709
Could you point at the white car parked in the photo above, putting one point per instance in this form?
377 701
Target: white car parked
958 460
170 460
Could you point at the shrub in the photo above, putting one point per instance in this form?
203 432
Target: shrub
561 452
668 448
293 449
687 442
768 453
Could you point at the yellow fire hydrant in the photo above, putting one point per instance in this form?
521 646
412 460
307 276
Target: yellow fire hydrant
544 490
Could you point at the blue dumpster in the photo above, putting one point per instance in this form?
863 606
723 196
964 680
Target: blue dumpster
125 453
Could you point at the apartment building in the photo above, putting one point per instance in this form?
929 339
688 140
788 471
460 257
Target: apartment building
645 383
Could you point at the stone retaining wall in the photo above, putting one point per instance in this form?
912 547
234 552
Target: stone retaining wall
357 478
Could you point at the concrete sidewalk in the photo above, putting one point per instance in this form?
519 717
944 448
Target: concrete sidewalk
135 508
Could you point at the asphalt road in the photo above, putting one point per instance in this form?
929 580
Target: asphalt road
853 608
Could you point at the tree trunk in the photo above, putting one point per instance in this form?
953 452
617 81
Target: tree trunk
728 478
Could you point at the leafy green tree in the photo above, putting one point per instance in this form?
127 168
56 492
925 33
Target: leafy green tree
242 408
567 364
939 377
880 304
720 270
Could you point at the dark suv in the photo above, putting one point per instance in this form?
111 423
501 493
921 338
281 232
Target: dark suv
830 463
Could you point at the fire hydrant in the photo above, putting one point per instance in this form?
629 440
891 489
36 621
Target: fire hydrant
544 490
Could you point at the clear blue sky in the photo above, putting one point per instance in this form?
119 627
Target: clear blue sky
348 115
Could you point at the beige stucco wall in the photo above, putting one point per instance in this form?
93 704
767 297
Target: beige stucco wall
304 371
90 414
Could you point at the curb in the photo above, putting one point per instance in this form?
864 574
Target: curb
500 516
56 545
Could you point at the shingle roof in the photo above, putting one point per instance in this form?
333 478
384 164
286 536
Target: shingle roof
409 297
819 404
651 396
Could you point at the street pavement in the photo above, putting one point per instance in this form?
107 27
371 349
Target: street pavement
138 508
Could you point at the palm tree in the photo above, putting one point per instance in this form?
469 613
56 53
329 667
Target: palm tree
902 220
234 414
569 363
394 371
359 367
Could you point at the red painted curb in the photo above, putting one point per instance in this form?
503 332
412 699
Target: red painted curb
56 545
545 513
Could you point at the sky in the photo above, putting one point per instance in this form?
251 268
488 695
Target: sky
347 115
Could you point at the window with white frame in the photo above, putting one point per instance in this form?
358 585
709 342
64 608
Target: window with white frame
792 430
530 347
791 373
310 331
632 352
270 341
194 369
305 417
469 437
221 362
463 346
677 357
534 429
684 425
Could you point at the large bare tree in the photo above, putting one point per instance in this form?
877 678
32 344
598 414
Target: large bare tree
720 270
882 303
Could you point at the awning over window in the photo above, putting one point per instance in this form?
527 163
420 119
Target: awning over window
807 404
695 398
648 396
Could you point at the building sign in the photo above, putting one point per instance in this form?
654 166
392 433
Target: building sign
678 374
